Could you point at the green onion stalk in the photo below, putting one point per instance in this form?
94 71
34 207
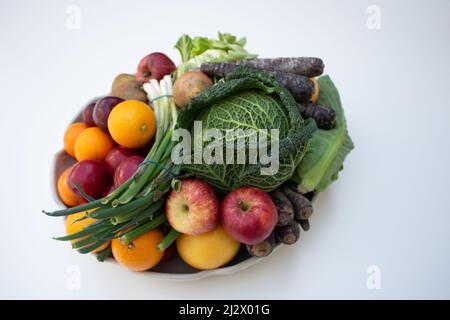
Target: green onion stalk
135 207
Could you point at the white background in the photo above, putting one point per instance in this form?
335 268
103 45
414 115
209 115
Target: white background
389 207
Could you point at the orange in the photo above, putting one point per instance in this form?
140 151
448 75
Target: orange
315 95
64 192
132 124
73 227
208 250
141 254
71 135
93 144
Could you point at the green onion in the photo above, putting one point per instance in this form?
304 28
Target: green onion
82 233
68 212
149 209
91 248
144 228
105 253
108 212
81 191
168 240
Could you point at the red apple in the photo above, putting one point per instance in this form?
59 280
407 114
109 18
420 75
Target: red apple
193 208
154 66
126 169
116 156
248 215
90 176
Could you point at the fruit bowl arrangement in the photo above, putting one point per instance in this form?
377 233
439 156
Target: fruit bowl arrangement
204 167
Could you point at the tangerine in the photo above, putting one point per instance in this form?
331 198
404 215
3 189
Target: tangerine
132 124
93 144
67 196
140 254
71 136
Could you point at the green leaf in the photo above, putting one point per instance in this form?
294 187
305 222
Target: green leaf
227 37
242 42
184 46
327 149
200 45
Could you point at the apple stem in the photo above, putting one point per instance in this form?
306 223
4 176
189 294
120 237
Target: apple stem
176 185
244 206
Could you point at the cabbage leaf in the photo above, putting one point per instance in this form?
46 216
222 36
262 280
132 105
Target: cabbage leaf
245 99
327 149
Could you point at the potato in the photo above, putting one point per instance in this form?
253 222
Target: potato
121 78
190 85
130 90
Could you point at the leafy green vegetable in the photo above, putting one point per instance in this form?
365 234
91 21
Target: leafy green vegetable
184 45
199 50
327 149
200 45
245 99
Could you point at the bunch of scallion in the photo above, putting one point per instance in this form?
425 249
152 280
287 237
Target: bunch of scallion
136 206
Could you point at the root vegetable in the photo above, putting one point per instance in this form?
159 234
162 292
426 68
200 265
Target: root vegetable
302 206
284 207
324 116
129 90
263 248
299 86
188 86
305 66
304 224
315 95
288 234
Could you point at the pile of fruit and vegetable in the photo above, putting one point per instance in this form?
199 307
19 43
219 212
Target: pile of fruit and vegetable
136 193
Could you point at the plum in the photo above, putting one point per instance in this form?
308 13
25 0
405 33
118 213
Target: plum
90 176
126 169
88 117
102 110
116 156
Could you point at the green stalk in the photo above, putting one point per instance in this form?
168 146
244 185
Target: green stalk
116 193
148 209
91 247
82 233
168 240
83 242
146 214
144 228
105 253
69 211
103 235
106 213
146 176
159 184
